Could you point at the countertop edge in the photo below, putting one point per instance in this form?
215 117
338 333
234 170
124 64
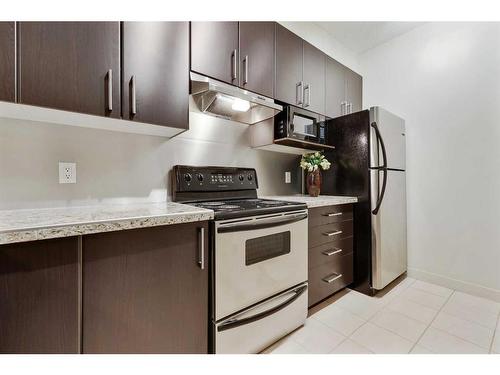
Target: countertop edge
314 202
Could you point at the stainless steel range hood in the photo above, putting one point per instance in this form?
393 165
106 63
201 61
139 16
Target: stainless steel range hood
229 102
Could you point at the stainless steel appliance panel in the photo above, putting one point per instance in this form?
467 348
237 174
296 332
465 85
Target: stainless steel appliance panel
392 131
389 253
247 333
244 277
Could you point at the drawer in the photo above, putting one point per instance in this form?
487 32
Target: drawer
330 251
329 232
330 278
329 214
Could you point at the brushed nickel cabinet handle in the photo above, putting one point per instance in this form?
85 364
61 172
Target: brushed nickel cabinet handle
299 93
201 256
245 75
342 108
110 90
233 65
329 253
331 279
329 234
307 95
133 98
333 214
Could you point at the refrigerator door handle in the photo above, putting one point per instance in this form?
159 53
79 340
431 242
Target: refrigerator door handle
383 167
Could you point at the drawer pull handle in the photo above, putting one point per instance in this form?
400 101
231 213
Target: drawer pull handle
331 279
329 253
333 214
329 234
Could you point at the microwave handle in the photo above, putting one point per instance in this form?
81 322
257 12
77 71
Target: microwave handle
261 223
235 322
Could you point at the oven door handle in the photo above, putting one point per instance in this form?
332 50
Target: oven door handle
261 223
236 322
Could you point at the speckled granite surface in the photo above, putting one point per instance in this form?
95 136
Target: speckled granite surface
321 201
37 224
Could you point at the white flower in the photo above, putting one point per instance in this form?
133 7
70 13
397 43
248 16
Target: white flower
325 164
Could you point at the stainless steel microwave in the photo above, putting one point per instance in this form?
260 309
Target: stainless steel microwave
295 123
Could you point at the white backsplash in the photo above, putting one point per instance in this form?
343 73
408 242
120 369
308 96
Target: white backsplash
117 167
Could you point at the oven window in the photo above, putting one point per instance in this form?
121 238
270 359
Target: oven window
304 126
266 247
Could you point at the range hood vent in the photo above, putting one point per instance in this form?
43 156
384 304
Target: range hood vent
231 103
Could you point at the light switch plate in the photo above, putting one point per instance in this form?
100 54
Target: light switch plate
67 173
288 178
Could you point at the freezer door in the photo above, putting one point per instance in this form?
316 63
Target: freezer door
389 254
392 132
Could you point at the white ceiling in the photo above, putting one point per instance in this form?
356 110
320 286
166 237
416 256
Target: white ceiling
361 36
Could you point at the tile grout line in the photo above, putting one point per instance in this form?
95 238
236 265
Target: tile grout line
494 334
430 323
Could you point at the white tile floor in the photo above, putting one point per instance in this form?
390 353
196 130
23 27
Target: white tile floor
413 317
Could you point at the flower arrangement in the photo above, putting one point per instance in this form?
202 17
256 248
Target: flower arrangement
314 160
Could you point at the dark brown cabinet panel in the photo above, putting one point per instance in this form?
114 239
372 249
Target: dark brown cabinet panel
257 57
289 64
156 72
7 62
335 88
354 90
214 50
39 310
73 66
314 79
144 291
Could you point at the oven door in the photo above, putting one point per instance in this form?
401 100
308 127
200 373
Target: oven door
256 258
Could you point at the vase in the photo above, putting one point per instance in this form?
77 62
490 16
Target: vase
313 183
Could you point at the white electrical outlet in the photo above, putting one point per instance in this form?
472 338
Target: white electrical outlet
288 178
67 173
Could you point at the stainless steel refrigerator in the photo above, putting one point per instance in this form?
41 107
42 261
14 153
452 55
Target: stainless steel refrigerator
369 162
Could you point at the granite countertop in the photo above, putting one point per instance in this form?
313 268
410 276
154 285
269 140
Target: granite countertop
37 224
321 201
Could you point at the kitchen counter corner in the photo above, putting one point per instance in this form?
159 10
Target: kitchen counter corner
38 224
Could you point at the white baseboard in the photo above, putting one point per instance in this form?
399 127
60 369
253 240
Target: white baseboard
462 286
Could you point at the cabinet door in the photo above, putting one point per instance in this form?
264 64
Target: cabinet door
257 57
156 72
335 88
73 66
314 79
288 66
7 62
144 291
39 309
214 50
354 90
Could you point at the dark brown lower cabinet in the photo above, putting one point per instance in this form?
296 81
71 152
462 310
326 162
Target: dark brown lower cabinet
330 259
145 292
39 310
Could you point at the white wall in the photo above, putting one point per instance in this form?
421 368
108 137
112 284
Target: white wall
444 79
117 167
323 40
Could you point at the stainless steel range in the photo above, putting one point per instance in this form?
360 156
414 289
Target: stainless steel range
258 257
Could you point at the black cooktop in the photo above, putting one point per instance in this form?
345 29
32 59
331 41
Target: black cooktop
233 208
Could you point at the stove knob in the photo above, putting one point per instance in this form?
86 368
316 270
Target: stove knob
200 177
250 178
187 177
241 177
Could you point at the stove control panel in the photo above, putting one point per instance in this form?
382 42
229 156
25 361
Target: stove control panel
212 179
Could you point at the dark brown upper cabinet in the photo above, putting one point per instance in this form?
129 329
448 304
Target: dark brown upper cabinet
146 290
257 57
39 309
156 73
314 79
73 66
354 91
335 88
214 50
7 62
289 67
